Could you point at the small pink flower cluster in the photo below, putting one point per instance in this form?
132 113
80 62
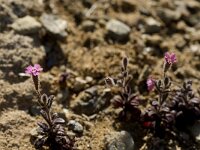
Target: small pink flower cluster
170 58
34 70
150 84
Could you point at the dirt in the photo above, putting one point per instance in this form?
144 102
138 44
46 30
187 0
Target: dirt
89 55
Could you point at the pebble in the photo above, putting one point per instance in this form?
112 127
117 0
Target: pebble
153 40
128 6
119 141
91 100
168 15
88 26
54 25
89 79
193 4
117 30
195 48
152 26
26 25
79 84
193 19
75 126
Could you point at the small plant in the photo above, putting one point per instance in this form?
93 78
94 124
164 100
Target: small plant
51 132
180 109
159 116
125 99
186 105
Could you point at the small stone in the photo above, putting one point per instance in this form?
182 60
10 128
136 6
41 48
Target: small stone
75 126
92 90
168 15
79 84
89 79
192 20
144 11
54 25
153 40
193 4
102 22
148 50
195 35
128 6
117 30
7 16
181 25
26 25
91 100
119 141
88 26
195 48
152 26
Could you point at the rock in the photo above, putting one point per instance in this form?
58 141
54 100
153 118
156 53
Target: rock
10 10
89 79
26 25
117 30
153 40
152 26
22 8
17 52
75 126
195 48
192 20
195 131
79 84
6 17
91 100
54 25
88 26
144 11
119 141
181 25
193 4
168 15
128 6
102 22
182 9
195 35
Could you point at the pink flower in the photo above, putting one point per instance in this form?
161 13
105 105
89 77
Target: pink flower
34 70
150 84
170 58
